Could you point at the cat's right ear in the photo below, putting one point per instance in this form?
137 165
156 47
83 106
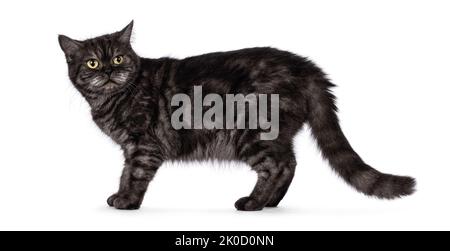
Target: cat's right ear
69 46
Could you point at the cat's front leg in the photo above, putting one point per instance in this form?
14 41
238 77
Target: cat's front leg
142 160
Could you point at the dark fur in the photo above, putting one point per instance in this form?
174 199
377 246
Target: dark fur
135 112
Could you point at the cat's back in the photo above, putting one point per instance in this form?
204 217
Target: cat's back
260 69
248 57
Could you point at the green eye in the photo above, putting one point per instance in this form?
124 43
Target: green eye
92 63
118 60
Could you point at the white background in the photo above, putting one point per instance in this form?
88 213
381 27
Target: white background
390 60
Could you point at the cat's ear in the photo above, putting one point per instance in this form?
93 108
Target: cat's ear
69 46
125 34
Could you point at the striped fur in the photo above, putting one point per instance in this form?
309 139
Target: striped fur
132 106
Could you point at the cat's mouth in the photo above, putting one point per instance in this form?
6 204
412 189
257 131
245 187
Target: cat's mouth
110 85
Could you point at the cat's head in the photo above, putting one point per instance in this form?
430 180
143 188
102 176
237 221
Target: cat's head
101 65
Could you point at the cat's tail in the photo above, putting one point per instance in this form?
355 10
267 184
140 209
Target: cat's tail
344 160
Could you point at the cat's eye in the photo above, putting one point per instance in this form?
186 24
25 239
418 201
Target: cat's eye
118 60
92 63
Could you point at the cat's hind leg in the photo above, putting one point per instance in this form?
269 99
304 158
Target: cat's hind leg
273 175
284 181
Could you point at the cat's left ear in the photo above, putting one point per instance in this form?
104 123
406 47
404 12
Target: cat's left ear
125 34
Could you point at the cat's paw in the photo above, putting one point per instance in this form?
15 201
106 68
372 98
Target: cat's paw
123 202
248 204
273 203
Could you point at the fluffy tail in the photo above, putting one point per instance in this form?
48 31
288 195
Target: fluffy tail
345 161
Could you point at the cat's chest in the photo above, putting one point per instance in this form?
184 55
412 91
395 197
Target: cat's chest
113 127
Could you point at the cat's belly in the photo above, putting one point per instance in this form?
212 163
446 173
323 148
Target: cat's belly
220 147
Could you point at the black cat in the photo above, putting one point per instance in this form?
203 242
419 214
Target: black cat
131 101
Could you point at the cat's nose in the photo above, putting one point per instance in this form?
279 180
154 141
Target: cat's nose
108 71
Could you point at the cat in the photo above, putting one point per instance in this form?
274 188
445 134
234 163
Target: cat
130 99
